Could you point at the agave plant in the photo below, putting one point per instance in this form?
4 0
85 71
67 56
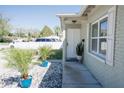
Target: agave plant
45 52
20 59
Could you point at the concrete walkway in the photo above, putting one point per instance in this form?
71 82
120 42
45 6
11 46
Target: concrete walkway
76 75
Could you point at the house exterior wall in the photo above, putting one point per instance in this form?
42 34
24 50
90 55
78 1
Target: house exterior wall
83 30
108 76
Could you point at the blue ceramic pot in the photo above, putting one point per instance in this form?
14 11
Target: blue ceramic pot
44 63
26 83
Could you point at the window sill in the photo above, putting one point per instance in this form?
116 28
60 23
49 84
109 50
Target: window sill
97 57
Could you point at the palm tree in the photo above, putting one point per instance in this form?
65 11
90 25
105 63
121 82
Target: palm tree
57 30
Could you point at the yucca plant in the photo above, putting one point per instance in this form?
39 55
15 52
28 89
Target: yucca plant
20 59
45 52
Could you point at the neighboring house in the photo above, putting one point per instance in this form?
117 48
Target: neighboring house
102 27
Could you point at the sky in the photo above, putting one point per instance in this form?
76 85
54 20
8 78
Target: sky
34 16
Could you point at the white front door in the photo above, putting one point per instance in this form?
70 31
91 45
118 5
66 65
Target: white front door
73 38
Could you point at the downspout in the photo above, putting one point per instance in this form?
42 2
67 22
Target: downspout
116 16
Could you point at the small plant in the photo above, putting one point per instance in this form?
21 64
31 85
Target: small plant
45 52
20 59
80 49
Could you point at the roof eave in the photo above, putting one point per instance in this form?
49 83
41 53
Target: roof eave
83 9
68 15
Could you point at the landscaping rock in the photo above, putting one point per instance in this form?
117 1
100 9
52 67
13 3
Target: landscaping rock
53 77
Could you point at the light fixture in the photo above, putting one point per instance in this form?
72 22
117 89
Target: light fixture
74 21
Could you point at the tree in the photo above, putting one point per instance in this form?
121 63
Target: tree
57 30
20 32
33 33
4 26
46 31
36 34
29 36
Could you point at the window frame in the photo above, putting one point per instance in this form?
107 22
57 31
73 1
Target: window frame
97 54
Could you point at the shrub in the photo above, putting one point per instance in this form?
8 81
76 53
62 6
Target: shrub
56 54
20 59
5 40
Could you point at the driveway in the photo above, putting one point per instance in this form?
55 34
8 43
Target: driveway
3 68
4 45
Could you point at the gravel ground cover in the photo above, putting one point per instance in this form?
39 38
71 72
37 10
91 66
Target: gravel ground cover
43 77
53 77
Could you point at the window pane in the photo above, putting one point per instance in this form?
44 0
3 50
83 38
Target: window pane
48 40
53 40
102 46
103 27
94 45
95 30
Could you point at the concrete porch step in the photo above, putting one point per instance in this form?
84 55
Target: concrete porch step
81 85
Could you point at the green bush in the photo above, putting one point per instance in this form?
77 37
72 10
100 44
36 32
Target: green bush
20 59
5 40
56 54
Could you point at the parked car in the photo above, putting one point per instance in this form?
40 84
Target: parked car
39 42
47 40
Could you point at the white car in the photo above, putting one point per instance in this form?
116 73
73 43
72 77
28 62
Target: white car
54 43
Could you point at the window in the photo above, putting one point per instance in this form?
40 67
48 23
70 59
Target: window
40 40
48 40
98 38
53 40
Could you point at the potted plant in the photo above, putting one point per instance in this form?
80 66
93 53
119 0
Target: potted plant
44 53
20 59
80 50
